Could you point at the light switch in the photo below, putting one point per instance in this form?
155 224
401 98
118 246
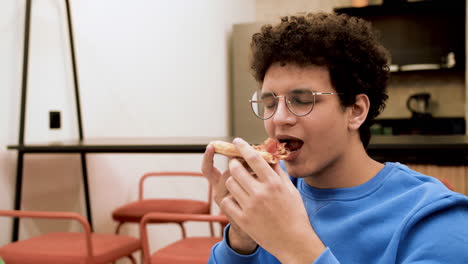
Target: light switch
54 120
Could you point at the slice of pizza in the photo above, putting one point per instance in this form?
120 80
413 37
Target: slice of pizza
271 150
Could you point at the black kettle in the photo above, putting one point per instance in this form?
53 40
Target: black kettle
418 104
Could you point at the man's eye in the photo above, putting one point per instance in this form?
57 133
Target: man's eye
301 100
269 102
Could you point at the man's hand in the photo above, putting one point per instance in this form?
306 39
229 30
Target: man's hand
269 209
238 239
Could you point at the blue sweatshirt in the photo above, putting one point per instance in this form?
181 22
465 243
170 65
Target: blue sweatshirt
399 216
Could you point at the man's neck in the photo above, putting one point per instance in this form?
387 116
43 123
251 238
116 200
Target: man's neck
351 169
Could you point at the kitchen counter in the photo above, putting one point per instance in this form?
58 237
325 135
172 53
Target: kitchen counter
438 150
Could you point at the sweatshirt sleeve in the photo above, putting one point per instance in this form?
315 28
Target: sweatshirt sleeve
222 253
440 237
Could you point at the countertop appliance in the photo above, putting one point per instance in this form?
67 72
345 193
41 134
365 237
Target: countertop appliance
418 105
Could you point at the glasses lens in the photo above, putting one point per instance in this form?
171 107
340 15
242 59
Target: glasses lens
263 104
300 102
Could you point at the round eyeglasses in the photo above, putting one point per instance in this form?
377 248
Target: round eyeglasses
299 102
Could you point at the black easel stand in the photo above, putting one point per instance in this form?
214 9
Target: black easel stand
20 160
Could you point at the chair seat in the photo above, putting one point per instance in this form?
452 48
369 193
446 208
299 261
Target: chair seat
133 212
193 250
68 247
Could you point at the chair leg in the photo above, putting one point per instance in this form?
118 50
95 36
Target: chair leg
184 234
117 230
132 259
211 229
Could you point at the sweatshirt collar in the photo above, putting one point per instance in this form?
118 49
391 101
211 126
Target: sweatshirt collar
351 193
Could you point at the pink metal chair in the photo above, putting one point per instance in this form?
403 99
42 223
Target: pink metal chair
133 212
67 247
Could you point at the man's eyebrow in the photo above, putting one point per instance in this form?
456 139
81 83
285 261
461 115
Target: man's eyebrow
301 90
267 94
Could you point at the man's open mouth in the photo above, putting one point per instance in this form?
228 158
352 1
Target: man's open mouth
292 144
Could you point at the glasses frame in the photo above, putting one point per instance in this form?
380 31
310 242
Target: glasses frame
277 99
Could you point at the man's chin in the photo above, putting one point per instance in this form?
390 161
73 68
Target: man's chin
293 172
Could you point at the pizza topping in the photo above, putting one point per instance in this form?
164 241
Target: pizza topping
274 147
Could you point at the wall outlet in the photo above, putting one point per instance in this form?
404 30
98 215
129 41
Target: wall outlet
54 120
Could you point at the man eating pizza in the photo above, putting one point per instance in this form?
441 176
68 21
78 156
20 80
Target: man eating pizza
322 80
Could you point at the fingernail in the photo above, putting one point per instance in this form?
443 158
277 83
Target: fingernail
237 140
207 146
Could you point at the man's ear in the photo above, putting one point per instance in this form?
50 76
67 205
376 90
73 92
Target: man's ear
358 112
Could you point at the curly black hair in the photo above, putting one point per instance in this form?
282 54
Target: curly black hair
347 46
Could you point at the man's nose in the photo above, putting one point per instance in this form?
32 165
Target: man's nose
283 114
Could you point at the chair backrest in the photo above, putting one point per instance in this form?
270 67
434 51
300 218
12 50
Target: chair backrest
172 174
447 184
55 215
